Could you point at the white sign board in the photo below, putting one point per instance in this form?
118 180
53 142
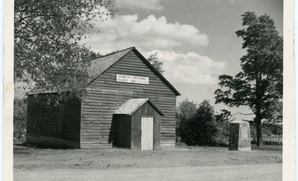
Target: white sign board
132 79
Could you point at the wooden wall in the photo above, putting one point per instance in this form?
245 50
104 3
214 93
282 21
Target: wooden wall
71 122
33 124
41 117
129 128
124 130
47 122
145 111
105 95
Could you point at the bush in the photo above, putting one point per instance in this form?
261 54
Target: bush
272 143
269 130
201 126
19 120
223 134
200 129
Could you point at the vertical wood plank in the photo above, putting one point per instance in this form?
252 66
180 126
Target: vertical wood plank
60 118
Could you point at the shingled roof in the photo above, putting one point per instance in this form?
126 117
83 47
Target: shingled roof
132 105
101 64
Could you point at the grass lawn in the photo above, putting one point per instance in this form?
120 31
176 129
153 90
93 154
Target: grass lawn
46 158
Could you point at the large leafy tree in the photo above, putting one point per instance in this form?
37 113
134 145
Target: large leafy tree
47 53
259 84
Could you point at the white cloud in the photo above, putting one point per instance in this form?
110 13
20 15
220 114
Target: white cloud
190 68
150 33
175 44
145 4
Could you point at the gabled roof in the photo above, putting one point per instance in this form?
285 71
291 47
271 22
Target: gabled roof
132 105
99 65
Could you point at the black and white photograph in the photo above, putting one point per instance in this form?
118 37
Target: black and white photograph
150 90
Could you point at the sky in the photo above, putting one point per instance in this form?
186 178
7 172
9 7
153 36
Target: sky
195 39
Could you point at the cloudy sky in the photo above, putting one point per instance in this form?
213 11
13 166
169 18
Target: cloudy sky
195 39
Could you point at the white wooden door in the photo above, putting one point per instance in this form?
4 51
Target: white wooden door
147 133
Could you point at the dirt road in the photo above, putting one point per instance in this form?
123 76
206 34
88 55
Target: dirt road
270 172
196 163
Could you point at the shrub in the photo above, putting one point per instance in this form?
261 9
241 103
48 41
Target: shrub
19 120
272 143
200 129
223 134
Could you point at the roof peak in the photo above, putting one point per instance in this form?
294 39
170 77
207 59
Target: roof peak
114 52
132 105
109 60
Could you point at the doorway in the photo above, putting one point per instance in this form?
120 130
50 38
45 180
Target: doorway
147 133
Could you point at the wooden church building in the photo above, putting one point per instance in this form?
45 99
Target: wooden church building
128 103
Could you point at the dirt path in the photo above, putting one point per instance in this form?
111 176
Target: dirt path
270 172
195 163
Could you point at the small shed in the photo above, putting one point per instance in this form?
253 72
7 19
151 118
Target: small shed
122 86
138 125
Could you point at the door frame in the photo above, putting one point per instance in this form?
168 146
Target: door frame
149 132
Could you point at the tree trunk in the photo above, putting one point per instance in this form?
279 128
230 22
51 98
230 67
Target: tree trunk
258 129
259 96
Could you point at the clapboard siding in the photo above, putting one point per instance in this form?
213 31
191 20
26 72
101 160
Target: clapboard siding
105 95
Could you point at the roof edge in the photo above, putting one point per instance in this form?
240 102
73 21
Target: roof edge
111 64
114 52
145 101
158 73
155 107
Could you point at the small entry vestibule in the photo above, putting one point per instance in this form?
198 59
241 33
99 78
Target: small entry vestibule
138 125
